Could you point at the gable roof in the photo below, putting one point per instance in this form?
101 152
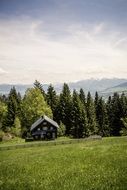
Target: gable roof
41 119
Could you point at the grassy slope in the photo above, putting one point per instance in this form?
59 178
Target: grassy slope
90 165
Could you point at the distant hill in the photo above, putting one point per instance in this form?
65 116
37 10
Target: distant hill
94 85
103 86
5 88
123 85
121 88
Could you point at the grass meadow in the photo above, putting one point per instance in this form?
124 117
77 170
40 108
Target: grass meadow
90 165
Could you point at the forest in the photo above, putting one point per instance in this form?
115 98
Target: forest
78 114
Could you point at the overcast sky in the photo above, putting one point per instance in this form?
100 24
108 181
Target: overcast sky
62 40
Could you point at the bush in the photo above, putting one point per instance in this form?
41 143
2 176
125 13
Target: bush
123 131
61 130
16 129
7 137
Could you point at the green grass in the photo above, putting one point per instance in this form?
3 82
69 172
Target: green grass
17 140
89 165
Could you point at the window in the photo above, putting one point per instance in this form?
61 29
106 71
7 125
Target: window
45 128
44 123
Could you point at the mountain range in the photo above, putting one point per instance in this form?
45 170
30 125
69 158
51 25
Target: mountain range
104 86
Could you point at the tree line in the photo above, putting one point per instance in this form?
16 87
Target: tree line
78 114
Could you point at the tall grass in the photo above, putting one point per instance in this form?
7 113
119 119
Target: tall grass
88 165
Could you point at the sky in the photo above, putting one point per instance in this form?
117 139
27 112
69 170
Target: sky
57 41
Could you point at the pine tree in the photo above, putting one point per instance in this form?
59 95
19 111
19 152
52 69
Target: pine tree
96 101
115 119
13 108
102 118
19 100
97 111
64 108
4 98
123 105
109 112
79 125
91 115
39 86
82 97
52 99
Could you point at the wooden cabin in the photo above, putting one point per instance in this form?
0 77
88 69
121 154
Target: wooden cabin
44 128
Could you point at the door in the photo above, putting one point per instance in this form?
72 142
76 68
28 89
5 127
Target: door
53 135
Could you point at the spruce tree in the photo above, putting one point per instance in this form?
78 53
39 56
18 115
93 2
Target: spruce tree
109 113
91 115
79 125
82 97
4 98
13 108
102 118
115 122
123 105
39 86
96 100
64 108
97 111
52 99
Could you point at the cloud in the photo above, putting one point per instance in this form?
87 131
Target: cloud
2 71
30 51
120 41
99 28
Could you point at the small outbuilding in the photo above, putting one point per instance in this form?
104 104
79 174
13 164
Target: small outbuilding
44 128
